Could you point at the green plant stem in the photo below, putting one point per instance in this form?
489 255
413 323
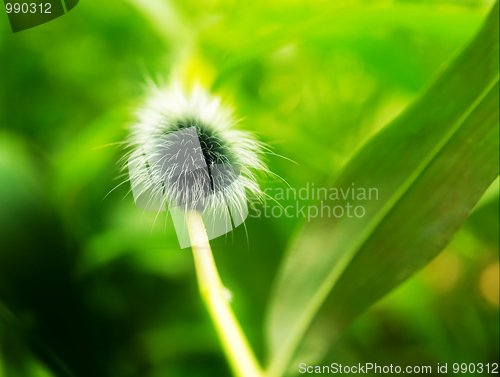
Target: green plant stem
236 347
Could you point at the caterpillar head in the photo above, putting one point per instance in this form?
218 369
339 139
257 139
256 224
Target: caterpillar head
185 152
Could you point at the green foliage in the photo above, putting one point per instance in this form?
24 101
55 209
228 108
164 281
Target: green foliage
441 156
91 286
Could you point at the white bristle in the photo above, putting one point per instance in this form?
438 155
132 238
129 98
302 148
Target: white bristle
167 109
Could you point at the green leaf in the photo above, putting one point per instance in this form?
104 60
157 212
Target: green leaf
354 28
430 167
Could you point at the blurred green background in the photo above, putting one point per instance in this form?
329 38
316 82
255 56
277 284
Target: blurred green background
91 286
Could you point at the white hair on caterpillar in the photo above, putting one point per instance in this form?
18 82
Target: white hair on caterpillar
172 166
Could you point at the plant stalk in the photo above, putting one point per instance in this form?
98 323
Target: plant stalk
236 347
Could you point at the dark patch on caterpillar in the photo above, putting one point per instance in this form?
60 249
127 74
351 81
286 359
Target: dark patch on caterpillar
195 181
214 148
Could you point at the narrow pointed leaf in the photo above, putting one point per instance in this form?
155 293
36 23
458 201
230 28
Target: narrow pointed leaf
429 168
